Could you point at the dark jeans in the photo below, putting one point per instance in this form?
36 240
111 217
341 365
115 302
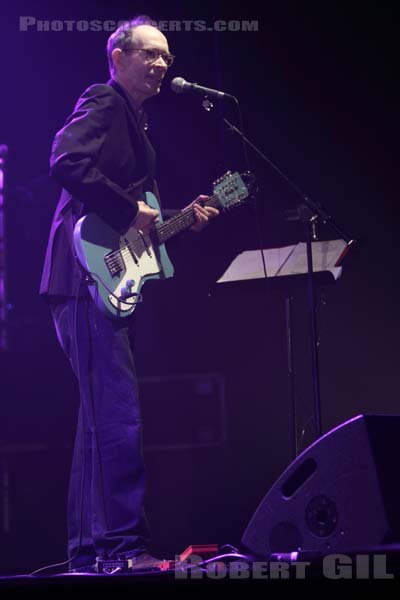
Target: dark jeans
107 485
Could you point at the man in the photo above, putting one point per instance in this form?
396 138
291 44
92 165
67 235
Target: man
104 161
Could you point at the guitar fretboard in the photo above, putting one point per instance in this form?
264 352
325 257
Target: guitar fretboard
180 222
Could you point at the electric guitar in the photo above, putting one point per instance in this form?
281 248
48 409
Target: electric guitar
117 265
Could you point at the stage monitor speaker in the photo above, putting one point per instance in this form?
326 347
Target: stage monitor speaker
340 494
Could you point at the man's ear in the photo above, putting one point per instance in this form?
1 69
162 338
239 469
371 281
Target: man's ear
118 59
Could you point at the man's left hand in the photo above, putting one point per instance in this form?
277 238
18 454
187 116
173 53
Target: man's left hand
202 213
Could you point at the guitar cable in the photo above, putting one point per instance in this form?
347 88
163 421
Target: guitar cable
83 407
138 295
88 277
75 333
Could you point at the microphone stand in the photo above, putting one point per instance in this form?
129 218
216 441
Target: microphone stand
308 212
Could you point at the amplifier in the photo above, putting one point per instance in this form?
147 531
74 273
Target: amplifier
183 411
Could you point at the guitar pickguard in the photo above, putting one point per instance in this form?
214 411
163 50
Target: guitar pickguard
141 263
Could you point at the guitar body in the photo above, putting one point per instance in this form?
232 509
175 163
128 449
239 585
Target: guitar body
119 265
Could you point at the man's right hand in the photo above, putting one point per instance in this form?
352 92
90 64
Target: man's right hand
146 218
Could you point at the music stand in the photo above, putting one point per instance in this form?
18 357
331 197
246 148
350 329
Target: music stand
283 266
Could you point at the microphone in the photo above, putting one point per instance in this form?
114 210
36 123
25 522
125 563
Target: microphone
180 86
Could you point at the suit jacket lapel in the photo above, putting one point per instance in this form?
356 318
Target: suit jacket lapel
139 132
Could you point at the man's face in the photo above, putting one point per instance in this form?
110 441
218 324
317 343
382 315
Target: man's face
142 76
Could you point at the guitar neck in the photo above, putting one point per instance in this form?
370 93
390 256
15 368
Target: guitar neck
180 222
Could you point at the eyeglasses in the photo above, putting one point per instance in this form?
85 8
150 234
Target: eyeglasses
152 55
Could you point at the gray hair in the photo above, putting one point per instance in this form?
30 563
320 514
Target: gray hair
122 37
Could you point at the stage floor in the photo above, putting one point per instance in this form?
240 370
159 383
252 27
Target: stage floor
351 571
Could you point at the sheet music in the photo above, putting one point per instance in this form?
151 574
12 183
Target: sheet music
288 260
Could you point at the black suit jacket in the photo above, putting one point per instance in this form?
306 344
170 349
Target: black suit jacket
104 162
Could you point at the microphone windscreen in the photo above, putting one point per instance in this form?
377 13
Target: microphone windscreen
178 85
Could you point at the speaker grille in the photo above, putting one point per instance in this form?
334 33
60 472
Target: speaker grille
321 516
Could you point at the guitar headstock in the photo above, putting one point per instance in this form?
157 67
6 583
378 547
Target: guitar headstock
231 188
